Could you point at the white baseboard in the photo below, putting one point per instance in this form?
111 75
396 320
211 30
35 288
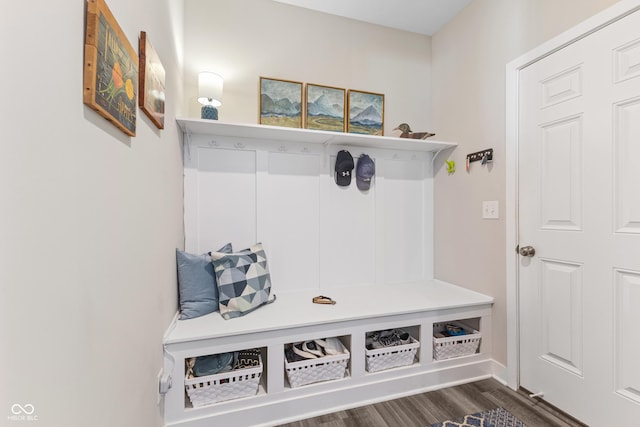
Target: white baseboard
500 373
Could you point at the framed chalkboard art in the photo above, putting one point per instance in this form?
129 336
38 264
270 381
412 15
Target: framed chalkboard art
110 69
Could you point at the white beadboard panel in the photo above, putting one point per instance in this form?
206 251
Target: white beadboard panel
318 236
289 220
627 173
561 175
347 233
627 340
403 223
561 296
226 199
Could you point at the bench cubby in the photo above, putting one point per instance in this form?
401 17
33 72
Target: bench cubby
313 370
448 347
380 358
220 387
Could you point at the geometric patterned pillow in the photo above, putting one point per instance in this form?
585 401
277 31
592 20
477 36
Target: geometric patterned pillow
243 280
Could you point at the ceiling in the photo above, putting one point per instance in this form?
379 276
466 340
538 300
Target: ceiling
418 16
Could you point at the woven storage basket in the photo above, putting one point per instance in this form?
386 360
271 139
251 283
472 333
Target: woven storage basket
391 357
315 370
224 386
461 345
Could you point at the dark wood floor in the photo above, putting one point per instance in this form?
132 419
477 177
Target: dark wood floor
424 409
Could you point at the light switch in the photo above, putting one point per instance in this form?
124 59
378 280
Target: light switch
490 209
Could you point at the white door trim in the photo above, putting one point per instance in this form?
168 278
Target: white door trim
591 25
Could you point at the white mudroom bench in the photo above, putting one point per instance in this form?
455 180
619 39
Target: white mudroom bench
293 318
370 251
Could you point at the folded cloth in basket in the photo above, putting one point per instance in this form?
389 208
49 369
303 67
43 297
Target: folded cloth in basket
247 358
203 366
213 364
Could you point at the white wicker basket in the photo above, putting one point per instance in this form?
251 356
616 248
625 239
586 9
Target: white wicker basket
315 370
456 346
224 386
391 357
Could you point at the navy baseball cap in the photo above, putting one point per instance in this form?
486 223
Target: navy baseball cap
344 166
365 171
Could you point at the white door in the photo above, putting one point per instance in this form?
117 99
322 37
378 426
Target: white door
579 208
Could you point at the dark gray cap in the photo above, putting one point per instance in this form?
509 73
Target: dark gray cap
365 171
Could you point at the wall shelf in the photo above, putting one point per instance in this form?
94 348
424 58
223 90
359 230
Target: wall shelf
282 134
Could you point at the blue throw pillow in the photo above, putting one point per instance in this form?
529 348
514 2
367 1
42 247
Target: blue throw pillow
197 283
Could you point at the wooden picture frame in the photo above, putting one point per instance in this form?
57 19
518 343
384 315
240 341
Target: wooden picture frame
110 69
152 82
325 108
280 102
366 112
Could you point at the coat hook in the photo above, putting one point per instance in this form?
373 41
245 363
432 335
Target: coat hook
484 156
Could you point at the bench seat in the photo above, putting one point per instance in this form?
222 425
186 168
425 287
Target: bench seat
295 309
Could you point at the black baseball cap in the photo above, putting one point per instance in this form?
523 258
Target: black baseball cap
344 166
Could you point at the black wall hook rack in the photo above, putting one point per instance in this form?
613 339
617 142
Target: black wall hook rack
479 155
485 156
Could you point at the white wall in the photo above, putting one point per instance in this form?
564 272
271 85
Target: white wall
469 57
89 223
243 40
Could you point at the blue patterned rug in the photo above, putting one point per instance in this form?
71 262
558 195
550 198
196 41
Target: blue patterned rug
498 417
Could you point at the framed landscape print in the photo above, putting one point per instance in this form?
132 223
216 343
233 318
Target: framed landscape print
151 99
325 107
280 103
110 69
366 113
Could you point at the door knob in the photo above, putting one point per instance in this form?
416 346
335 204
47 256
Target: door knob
527 251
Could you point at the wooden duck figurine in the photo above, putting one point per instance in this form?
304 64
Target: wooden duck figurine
408 133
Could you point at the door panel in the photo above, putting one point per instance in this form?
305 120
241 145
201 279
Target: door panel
579 207
561 303
561 174
627 151
627 319
562 86
627 61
